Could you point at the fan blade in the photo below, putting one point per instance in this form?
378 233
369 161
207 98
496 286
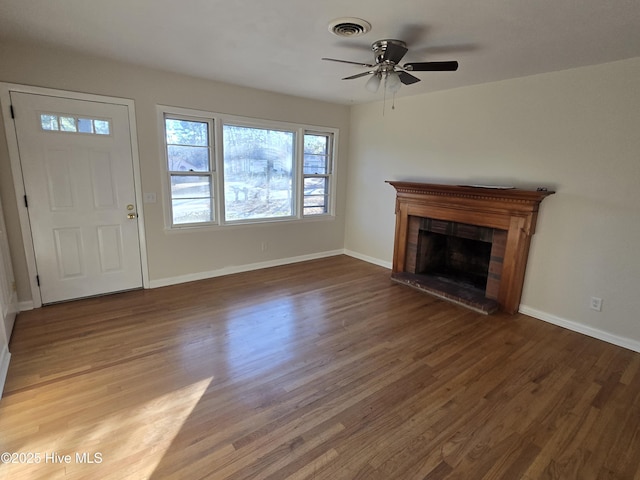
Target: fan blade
394 53
358 75
368 65
407 79
432 66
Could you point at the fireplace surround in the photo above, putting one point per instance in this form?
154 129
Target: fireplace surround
489 231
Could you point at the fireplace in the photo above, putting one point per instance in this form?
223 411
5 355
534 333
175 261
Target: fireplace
466 244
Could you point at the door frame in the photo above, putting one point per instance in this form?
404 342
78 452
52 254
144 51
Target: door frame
18 183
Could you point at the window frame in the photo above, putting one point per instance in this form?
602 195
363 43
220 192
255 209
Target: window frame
211 172
217 122
328 175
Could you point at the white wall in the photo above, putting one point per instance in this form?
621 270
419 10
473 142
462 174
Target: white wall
186 254
8 301
575 131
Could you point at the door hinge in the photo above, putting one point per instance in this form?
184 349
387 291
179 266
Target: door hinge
26 203
38 279
13 114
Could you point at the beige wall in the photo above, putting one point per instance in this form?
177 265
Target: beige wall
575 131
191 252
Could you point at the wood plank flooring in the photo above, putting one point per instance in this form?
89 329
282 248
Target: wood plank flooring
319 370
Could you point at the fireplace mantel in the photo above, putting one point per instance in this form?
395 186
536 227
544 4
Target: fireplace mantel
507 209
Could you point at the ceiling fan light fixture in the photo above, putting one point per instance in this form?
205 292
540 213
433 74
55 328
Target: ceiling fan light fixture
392 82
349 27
373 84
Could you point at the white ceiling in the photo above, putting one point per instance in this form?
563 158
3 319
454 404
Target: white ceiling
276 45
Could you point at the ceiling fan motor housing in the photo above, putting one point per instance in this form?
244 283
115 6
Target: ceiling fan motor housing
380 47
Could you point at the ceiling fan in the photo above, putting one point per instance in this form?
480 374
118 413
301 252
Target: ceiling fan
388 54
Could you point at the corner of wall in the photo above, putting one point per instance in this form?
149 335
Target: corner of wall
368 259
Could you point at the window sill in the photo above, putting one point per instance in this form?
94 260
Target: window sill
248 224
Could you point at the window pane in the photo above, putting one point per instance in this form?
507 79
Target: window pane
190 186
68 124
315 164
316 153
191 198
49 122
85 125
316 196
186 132
191 210
321 210
101 127
258 173
318 144
188 159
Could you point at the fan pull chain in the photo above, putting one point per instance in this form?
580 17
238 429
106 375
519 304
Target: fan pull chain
384 97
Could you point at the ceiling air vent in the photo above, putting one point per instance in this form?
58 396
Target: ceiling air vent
349 27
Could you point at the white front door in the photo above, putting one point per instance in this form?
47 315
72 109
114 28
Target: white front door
78 175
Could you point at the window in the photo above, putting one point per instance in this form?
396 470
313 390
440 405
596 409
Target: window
191 176
256 171
317 172
52 122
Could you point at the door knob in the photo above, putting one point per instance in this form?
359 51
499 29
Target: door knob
131 216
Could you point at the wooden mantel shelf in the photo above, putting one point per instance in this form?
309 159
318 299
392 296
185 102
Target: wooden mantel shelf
502 194
509 209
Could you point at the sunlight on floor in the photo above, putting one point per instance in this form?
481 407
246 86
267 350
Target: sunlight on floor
138 436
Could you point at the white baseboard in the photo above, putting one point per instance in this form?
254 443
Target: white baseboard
164 282
366 258
24 306
581 328
5 357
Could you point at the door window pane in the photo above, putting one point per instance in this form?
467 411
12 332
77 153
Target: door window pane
85 125
68 124
49 122
101 127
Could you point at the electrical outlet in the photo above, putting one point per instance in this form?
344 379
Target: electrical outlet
596 304
264 246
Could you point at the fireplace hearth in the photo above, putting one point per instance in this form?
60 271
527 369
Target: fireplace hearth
466 244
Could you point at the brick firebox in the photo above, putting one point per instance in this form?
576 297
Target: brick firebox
507 215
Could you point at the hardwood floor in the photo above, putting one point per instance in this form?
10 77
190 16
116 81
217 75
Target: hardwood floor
319 370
